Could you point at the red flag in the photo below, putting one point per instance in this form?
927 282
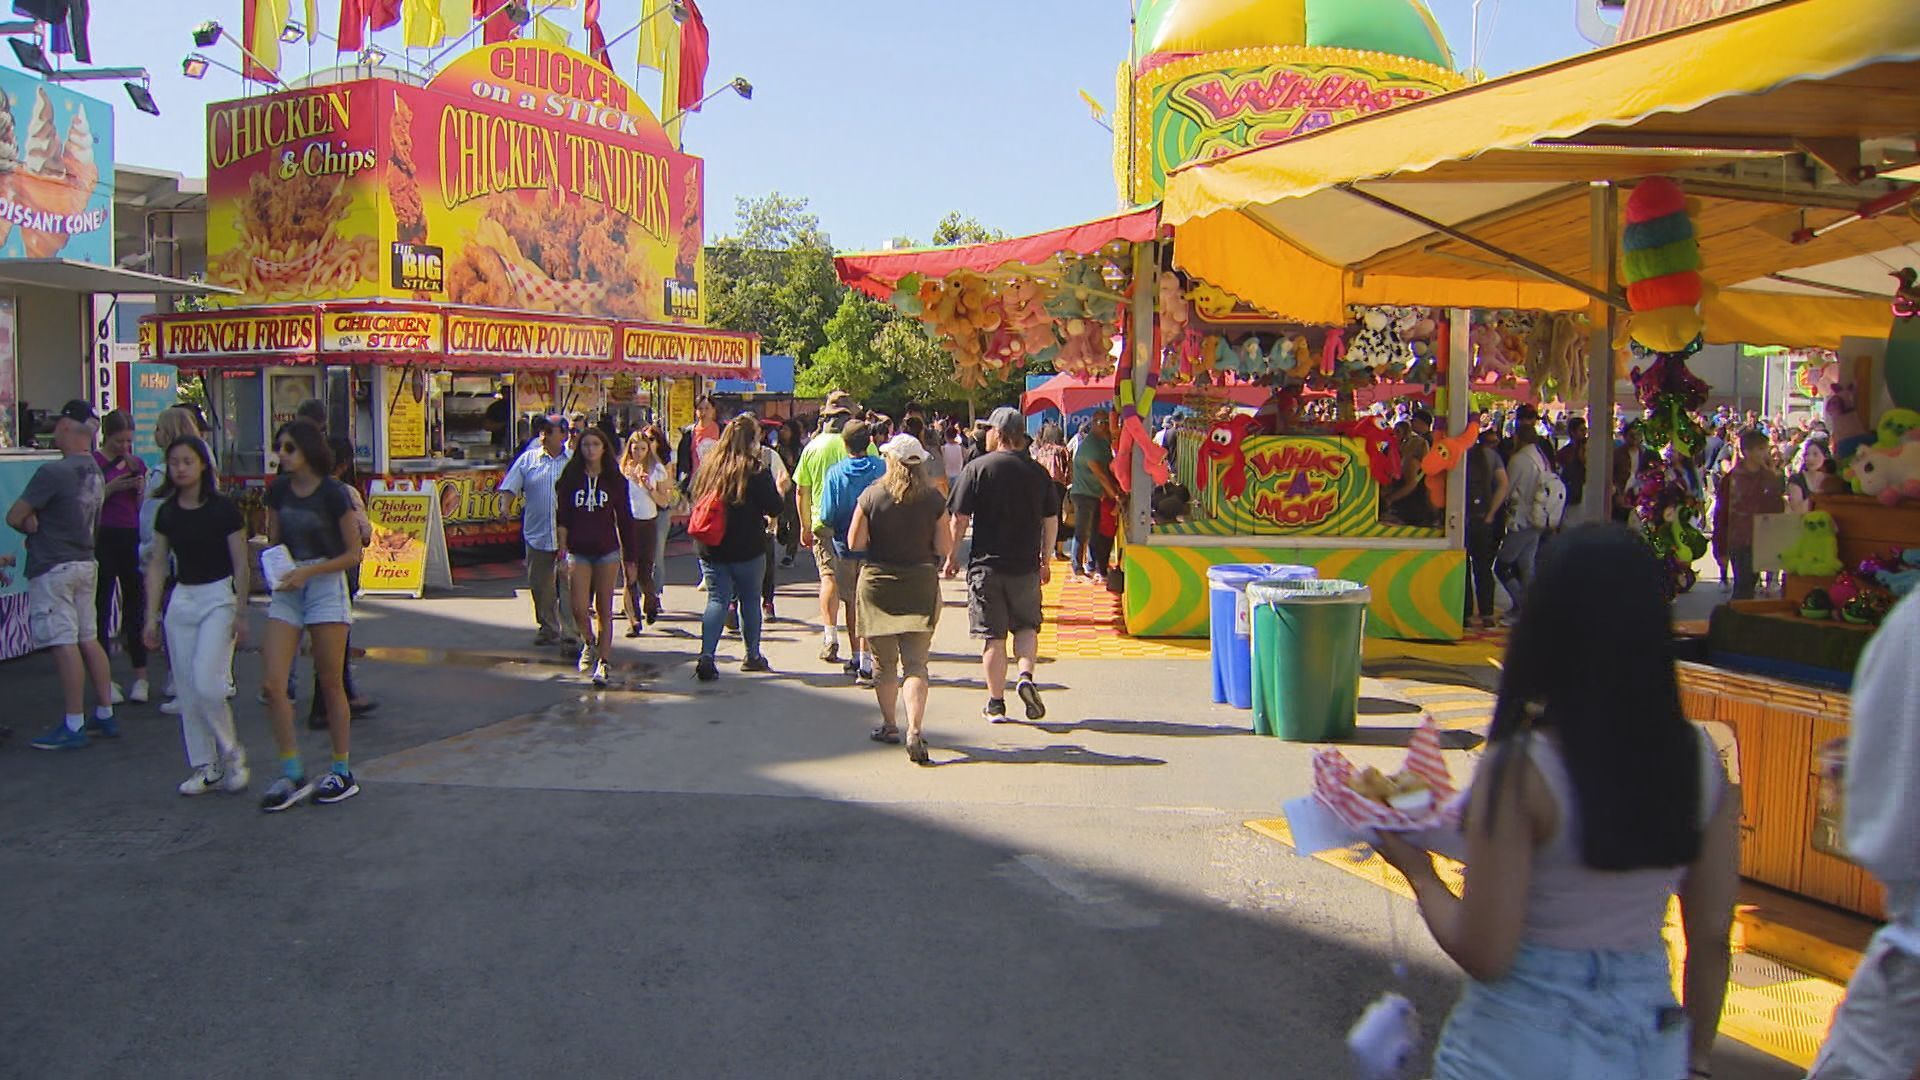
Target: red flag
596 40
382 13
352 35
693 58
498 22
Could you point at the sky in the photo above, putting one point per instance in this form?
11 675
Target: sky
884 116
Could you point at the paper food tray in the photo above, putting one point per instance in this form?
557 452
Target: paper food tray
1331 768
276 563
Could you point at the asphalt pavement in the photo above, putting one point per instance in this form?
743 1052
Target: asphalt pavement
680 879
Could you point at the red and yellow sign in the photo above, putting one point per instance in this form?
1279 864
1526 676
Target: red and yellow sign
1211 105
524 176
411 332
149 340
229 335
718 353
396 560
1267 485
521 339
1295 483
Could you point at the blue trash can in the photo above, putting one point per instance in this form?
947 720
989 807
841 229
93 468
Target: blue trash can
1230 627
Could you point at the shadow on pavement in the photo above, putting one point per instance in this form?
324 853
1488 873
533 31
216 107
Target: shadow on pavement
1038 755
1135 727
1403 737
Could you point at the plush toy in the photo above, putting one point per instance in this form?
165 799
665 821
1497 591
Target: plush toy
1558 364
1333 350
1888 475
1868 608
1841 412
1666 511
1225 445
1816 551
1383 449
1844 588
1894 426
1662 268
1374 346
1133 435
1490 358
1174 312
1672 395
1290 356
1816 605
1443 456
1420 331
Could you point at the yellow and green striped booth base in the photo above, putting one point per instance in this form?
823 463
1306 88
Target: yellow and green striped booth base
1417 595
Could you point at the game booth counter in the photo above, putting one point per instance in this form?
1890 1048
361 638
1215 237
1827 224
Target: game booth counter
440 263
1773 126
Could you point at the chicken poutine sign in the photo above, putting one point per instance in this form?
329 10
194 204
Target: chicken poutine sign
525 176
56 172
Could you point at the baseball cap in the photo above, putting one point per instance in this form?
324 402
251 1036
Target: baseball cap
1007 421
77 410
905 448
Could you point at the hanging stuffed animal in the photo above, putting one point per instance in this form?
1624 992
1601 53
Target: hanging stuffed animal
1490 359
1842 415
1672 396
1225 445
1662 268
1383 448
1375 346
1443 456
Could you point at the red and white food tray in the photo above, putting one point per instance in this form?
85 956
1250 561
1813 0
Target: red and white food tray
1331 768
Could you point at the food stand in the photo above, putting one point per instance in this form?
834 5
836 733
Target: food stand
441 263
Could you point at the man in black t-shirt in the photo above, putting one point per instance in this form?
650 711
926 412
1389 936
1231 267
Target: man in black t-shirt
1014 509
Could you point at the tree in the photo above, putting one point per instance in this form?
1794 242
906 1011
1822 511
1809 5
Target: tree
849 360
774 277
956 229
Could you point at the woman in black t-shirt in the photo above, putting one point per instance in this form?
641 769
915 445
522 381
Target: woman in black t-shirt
734 473
205 535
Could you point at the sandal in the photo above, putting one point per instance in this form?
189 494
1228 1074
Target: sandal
886 734
917 751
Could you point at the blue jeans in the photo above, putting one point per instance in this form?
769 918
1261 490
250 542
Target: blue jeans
726 583
1567 1015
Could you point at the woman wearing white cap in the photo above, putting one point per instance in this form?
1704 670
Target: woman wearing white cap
901 524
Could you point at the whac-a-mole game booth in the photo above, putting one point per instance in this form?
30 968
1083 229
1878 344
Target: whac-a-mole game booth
1208 79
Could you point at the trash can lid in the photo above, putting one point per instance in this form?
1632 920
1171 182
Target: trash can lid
1244 575
1309 591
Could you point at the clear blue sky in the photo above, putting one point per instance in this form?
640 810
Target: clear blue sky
884 115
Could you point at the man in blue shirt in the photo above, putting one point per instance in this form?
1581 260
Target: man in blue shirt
532 477
839 495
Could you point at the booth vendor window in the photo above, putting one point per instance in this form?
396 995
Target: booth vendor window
241 416
476 417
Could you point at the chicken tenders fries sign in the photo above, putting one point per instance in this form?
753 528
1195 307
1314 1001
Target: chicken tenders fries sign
525 176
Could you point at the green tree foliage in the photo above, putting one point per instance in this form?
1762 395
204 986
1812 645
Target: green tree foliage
774 276
956 229
851 359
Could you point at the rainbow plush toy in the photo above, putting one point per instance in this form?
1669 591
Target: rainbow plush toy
1662 268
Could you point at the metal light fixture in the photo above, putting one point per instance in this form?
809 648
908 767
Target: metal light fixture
142 95
31 56
742 87
373 56
195 66
206 34
292 32
737 84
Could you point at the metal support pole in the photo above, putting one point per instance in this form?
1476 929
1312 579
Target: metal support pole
1604 203
1459 411
1146 269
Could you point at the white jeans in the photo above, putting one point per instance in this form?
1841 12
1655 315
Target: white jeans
199 627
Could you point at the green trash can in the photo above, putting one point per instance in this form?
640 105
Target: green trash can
1306 657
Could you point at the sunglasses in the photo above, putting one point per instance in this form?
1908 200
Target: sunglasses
289 448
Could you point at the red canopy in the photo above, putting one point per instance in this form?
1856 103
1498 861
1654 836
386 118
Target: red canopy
1070 394
876 273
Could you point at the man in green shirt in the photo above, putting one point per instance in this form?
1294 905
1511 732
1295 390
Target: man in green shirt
822 453
1092 482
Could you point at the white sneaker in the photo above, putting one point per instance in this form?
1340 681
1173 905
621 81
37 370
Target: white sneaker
173 689
171 706
235 780
139 694
204 779
588 654
118 697
600 674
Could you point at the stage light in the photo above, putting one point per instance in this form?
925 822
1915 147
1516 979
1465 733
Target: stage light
206 34
292 32
31 56
143 98
195 66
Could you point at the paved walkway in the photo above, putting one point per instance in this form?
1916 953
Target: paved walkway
677 879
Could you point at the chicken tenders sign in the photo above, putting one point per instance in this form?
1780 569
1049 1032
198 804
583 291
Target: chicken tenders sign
525 176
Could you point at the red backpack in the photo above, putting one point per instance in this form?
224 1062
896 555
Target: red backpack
708 524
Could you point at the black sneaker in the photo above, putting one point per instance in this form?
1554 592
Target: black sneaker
995 712
1030 697
705 670
284 794
335 787
756 664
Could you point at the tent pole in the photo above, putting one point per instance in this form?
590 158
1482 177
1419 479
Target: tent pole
1146 269
1603 201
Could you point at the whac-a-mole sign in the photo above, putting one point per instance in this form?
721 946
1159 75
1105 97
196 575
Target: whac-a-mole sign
1300 485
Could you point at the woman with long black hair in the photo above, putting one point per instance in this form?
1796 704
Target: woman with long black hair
200 531
310 513
593 517
1597 800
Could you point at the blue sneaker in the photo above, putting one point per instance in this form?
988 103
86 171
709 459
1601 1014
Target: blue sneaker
102 729
62 737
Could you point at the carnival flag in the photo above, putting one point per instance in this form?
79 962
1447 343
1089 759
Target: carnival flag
545 29
657 32
260 24
498 17
596 38
351 36
456 17
313 20
693 58
420 24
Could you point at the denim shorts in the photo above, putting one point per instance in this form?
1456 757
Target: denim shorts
1567 1015
320 601
611 558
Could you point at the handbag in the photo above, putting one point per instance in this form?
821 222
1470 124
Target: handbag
708 525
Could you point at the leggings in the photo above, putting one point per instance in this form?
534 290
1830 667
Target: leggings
1092 550
1483 545
645 573
118 551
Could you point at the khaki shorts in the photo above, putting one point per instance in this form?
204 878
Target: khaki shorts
60 605
824 558
1001 603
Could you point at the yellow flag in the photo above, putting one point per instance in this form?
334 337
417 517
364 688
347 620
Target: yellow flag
456 17
269 18
420 24
313 20
545 29
556 3
656 34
